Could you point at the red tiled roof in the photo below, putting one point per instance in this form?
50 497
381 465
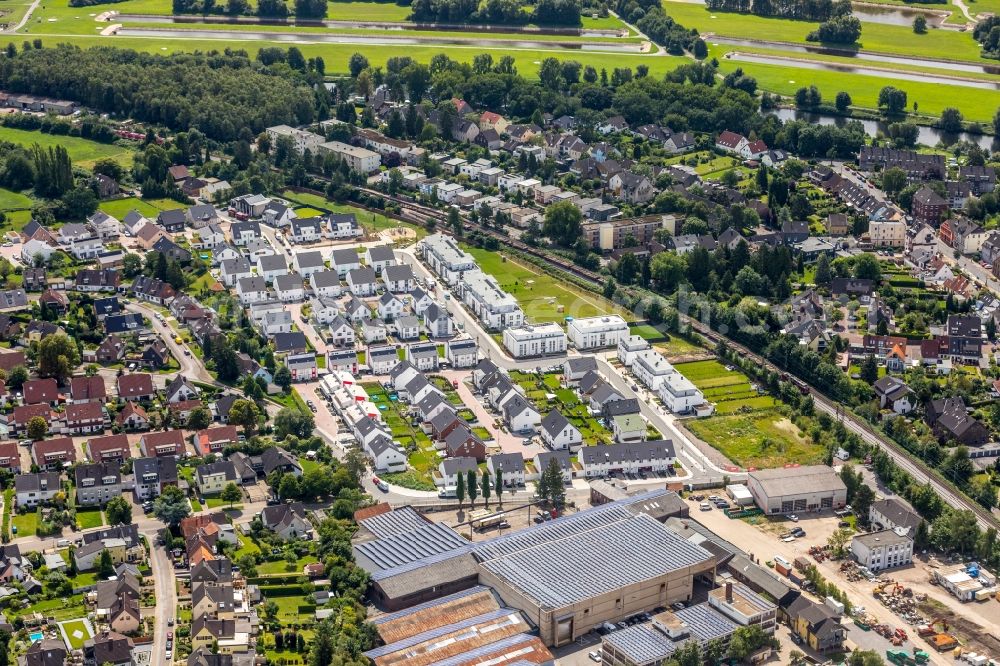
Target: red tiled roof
134 385
24 413
84 411
99 448
9 360
37 391
87 388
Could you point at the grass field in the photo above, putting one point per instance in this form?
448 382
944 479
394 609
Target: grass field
759 439
730 390
81 151
26 523
89 518
880 37
13 200
281 567
119 208
74 627
543 297
63 608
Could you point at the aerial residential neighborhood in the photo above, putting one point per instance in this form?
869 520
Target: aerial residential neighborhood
412 359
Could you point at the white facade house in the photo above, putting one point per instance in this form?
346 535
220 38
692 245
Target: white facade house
509 465
882 550
887 233
341 332
650 456
326 284
360 160
446 258
679 394
629 346
494 307
361 282
597 332
651 368
345 261
252 290
289 288
559 434
270 266
309 262
538 340
462 353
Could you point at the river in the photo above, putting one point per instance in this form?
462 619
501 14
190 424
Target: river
928 136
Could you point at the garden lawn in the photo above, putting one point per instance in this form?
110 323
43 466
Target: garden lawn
71 628
219 503
10 200
89 518
69 608
26 523
760 439
81 151
281 567
247 547
543 298
678 346
119 208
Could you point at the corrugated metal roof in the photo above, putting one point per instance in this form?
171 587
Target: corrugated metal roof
402 520
411 546
641 643
444 631
384 574
591 562
518 644
392 617
706 623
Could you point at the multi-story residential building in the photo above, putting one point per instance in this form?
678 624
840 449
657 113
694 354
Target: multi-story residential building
597 332
651 368
495 308
887 233
535 340
96 483
301 139
152 475
445 257
679 394
360 160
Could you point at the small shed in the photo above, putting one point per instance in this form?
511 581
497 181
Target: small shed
740 494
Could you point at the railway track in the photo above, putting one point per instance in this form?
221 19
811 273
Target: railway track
915 468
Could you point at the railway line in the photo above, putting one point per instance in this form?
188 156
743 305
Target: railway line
918 470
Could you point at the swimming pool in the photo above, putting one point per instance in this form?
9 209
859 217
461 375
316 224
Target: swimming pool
37 636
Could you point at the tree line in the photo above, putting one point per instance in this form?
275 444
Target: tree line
802 10
218 94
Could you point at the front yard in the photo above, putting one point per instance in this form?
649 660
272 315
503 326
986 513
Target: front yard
89 518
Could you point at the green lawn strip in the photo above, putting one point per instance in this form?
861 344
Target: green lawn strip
10 200
247 547
8 506
81 151
71 628
913 66
543 297
63 608
761 439
89 518
281 567
316 205
119 208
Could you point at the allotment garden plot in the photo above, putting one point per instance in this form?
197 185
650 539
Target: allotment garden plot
749 428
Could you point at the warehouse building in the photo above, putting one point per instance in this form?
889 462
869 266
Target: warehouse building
410 564
571 575
797 489
465 628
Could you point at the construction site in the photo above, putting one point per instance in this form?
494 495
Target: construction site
925 612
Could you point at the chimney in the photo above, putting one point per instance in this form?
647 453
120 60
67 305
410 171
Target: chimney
729 593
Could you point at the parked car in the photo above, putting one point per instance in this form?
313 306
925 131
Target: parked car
705 506
594 656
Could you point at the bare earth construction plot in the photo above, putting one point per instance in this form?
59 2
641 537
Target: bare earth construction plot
748 428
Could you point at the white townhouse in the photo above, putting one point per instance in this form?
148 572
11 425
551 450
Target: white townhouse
597 332
494 307
446 258
535 340
326 284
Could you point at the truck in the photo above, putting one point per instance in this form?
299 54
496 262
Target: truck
497 520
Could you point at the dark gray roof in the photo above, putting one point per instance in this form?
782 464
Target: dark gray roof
461 464
410 546
554 422
288 281
382 253
510 462
401 272
631 451
363 275
323 279
274 262
344 257
578 364
309 259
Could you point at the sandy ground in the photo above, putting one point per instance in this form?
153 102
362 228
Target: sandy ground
761 541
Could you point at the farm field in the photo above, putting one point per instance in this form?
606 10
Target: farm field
81 151
542 297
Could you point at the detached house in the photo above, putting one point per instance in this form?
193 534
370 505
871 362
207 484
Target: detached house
559 434
136 386
894 394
